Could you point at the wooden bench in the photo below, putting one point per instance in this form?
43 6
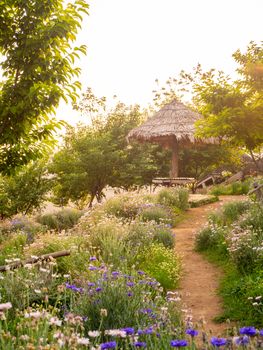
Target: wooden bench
173 181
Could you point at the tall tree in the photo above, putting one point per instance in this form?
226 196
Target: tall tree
38 67
26 190
98 155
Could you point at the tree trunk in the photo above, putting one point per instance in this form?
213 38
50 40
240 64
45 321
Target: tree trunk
254 160
175 158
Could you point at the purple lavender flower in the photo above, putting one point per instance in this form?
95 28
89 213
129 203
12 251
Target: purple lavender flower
140 344
146 311
141 272
178 343
93 268
92 258
139 332
250 331
242 340
115 273
99 289
130 294
130 284
128 330
261 332
148 330
74 288
108 345
191 332
218 341
91 284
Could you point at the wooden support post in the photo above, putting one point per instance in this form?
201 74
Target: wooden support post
175 158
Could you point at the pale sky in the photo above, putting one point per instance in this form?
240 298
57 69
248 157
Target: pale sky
133 42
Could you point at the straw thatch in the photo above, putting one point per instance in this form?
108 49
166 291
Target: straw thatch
172 126
173 120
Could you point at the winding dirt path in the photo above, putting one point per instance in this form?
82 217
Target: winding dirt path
200 279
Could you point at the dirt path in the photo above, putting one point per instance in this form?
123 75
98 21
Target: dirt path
200 279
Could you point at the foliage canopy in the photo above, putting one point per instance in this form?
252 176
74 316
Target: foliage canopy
37 63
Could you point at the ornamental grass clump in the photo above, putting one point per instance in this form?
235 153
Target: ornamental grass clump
124 206
174 197
159 213
61 220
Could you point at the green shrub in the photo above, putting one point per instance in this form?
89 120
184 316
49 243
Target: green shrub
243 297
158 213
232 211
13 248
142 234
28 285
79 247
121 296
124 206
229 213
253 218
236 188
164 235
174 197
162 264
61 220
203 201
211 238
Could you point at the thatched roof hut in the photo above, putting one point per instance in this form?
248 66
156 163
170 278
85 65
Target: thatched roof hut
171 126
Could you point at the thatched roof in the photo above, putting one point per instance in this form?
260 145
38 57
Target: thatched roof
173 120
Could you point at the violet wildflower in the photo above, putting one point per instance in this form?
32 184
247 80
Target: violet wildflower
115 273
93 268
108 345
148 330
191 332
140 344
130 284
218 341
146 311
141 272
178 343
128 330
99 289
130 294
139 332
91 284
261 332
242 340
250 331
92 258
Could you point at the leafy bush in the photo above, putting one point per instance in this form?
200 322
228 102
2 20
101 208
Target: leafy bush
203 201
236 188
78 245
229 213
141 234
13 248
174 197
242 295
123 206
61 220
120 295
211 237
245 248
158 213
29 285
162 264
